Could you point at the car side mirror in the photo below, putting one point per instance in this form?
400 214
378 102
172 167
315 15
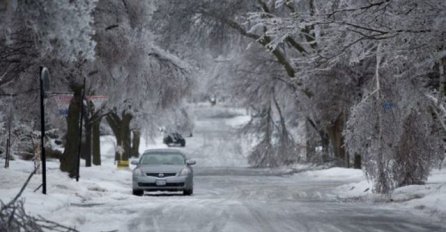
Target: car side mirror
191 162
134 162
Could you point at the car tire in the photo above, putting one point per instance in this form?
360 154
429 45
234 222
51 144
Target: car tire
167 140
188 192
183 143
138 192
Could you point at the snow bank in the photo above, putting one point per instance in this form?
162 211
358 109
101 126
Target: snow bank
69 202
427 199
336 173
238 121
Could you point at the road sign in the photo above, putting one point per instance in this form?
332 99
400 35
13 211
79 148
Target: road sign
97 100
63 102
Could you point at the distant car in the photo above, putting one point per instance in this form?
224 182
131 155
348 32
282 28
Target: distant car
163 170
174 139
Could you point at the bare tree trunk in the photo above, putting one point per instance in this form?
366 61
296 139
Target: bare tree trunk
325 143
88 147
68 161
357 161
8 145
441 93
441 88
269 158
136 139
325 140
89 117
383 186
121 130
126 136
96 141
310 145
337 140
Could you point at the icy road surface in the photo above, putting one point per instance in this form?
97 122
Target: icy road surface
232 197
268 203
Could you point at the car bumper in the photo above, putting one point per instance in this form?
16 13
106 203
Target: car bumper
175 183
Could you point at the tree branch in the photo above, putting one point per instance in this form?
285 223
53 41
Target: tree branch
371 5
263 40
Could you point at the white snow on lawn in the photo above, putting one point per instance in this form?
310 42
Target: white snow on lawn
67 200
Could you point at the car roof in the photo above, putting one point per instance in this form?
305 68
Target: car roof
163 150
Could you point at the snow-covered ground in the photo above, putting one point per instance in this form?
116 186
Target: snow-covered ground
428 199
228 195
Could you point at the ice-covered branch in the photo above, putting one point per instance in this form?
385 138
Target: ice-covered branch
360 8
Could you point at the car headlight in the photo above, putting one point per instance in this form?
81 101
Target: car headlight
138 172
185 172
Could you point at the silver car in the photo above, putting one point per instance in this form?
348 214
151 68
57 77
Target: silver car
163 170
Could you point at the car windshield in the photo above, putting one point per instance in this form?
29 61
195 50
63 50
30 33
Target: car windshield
162 159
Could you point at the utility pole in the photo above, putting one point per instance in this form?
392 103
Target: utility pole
8 140
8 146
44 85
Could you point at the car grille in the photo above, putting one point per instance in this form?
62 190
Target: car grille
167 185
156 174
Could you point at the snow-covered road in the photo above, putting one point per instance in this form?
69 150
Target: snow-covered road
268 203
229 196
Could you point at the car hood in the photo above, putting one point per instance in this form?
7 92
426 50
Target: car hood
162 168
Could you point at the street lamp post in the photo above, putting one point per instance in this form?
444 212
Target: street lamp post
44 85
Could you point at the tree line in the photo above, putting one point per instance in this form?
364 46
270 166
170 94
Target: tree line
364 79
106 43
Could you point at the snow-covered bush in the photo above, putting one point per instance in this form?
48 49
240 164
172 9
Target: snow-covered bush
395 134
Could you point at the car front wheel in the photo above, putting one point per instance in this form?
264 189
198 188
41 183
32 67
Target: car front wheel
138 192
188 192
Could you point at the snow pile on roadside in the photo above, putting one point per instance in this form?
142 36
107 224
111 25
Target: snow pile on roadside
361 190
74 203
429 198
238 121
336 174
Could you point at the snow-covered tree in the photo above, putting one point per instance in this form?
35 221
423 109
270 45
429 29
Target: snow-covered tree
140 78
272 25
347 33
407 41
395 133
257 83
56 34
